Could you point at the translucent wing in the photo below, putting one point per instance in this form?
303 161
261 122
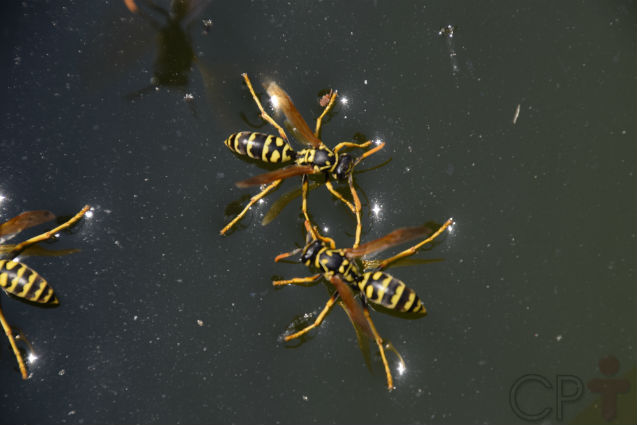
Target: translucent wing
282 173
23 221
283 102
354 310
394 238
282 202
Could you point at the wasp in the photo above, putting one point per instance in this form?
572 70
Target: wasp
317 158
18 279
377 287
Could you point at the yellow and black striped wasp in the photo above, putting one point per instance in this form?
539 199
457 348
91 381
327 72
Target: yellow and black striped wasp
316 159
18 279
374 286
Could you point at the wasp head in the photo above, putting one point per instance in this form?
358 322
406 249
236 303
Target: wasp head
344 167
310 251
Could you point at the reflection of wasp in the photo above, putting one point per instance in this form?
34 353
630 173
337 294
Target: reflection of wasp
19 280
374 286
175 53
316 159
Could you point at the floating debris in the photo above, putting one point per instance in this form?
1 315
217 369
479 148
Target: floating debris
516 114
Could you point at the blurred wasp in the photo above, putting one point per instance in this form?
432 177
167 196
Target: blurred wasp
18 279
315 159
375 286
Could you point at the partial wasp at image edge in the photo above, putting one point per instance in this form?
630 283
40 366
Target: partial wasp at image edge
19 280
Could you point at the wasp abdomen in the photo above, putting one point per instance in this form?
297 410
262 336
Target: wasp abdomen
389 292
23 282
260 146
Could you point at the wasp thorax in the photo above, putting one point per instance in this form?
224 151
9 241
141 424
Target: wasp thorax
323 158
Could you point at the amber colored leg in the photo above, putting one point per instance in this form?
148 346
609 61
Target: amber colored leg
370 152
296 280
264 114
318 320
316 235
357 205
52 232
305 190
351 145
355 209
325 111
413 249
253 200
330 187
16 352
379 343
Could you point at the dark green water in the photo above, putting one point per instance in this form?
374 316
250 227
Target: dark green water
538 276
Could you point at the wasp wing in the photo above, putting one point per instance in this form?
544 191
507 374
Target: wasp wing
282 173
23 221
361 338
354 310
394 238
282 101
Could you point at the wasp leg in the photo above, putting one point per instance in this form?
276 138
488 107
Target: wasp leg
319 120
264 114
52 232
379 343
330 303
16 352
305 190
330 187
316 235
253 200
370 152
356 209
413 249
357 204
351 145
286 255
390 346
296 280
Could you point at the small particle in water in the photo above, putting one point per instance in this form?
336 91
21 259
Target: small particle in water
200 322
305 398
447 31
207 24
558 338
72 412
325 99
516 114
62 372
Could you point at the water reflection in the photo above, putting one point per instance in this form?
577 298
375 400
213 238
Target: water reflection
175 54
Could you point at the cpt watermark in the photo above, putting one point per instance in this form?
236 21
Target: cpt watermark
565 389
